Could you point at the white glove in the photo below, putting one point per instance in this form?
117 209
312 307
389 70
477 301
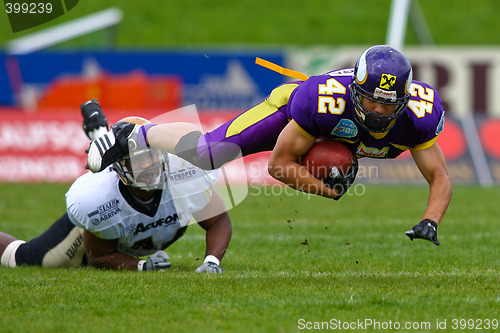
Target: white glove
156 262
210 265
121 140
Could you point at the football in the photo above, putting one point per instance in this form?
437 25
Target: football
326 154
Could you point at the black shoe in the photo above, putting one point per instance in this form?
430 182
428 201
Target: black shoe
95 122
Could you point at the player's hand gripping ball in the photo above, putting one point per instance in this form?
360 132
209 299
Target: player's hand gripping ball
333 163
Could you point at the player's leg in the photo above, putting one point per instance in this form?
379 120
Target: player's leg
255 130
60 246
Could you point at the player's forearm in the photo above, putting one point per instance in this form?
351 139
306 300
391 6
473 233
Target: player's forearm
296 176
439 198
115 260
166 136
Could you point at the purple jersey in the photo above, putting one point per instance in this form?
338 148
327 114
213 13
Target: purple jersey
322 107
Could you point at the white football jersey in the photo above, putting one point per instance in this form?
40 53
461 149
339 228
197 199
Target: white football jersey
95 203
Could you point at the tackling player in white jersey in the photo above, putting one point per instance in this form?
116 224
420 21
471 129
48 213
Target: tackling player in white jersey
136 208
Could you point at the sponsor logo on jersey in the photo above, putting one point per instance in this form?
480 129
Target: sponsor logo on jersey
345 129
105 211
182 174
440 126
387 81
371 152
156 224
110 214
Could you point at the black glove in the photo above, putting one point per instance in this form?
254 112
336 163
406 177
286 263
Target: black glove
426 229
157 262
336 181
95 122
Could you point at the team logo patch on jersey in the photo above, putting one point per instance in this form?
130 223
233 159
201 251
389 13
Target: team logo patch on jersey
371 152
387 81
345 129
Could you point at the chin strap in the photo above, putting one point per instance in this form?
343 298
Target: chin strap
281 70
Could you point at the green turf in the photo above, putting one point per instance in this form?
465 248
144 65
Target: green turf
292 257
195 23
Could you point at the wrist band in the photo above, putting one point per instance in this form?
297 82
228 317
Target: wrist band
211 258
140 265
141 138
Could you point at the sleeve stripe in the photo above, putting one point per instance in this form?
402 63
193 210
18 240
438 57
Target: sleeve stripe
425 145
304 133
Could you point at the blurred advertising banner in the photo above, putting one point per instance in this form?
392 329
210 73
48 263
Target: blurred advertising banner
50 147
210 79
489 134
228 79
41 148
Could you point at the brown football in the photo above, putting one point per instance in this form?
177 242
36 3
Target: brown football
326 154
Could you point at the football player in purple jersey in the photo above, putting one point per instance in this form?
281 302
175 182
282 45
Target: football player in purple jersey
375 108
126 215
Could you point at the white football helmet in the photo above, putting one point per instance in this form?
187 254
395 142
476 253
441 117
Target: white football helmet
142 169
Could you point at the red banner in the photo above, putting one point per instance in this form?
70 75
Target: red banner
50 147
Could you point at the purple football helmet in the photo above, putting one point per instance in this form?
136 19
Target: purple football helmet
384 75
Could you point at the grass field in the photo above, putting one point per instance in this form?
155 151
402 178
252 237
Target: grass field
200 23
294 260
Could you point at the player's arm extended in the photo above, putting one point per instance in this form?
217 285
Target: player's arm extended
283 164
215 220
103 253
432 165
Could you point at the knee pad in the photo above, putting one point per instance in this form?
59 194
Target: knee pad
187 147
206 155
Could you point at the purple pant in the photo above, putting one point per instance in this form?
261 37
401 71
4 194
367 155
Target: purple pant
253 131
